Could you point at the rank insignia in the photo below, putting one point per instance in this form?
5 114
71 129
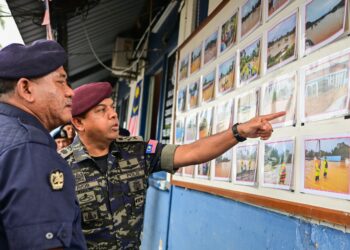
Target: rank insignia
56 180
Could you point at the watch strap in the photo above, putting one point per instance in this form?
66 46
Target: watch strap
238 137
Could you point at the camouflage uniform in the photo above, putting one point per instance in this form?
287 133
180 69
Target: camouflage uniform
112 203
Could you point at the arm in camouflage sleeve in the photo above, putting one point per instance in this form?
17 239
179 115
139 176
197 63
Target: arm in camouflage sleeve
211 147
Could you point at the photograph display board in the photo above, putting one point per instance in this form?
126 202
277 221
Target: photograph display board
257 57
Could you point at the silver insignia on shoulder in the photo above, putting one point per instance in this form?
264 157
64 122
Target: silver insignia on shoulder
56 180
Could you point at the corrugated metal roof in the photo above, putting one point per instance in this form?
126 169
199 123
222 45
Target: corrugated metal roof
26 13
103 24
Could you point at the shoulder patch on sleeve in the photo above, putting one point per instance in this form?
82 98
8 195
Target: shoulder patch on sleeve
65 152
151 146
129 139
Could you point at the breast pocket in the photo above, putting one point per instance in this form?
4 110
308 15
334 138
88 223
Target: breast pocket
93 204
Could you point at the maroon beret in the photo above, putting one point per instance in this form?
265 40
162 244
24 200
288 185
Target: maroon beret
89 95
36 60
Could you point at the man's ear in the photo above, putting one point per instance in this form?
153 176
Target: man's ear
78 123
24 89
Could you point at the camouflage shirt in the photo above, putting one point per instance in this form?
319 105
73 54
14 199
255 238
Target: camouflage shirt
112 201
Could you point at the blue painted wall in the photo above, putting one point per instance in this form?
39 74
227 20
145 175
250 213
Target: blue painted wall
156 218
202 221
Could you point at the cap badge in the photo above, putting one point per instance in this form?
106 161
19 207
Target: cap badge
56 180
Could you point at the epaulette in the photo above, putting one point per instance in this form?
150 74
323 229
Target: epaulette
129 139
65 152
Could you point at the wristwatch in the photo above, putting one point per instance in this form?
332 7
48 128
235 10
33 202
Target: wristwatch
236 134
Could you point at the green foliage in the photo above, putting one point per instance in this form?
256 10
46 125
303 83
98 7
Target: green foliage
341 149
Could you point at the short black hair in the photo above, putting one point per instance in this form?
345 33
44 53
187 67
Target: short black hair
7 85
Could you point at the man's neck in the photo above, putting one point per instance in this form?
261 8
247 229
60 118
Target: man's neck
95 148
20 105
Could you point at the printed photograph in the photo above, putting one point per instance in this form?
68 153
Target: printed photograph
193 94
181 99
326 89
278 164
274 6
210 47
196 59
227 76
205 123
229 32
191 128
188 171
179 172
208 87
224 118
246 163
327 166
280 95
179 131
247 106
281 43
324 22
184 68
250 16
205 129
250 62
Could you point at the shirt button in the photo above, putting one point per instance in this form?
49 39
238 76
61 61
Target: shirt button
49 235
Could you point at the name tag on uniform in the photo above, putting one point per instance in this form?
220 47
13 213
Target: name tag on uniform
87 185
139 200
151 147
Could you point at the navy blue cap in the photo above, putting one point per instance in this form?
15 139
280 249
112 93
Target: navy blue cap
36 60
60 133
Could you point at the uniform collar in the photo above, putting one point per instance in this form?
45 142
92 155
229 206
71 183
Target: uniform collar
13 111
80 153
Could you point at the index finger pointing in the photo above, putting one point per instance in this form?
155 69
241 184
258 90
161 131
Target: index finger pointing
273 116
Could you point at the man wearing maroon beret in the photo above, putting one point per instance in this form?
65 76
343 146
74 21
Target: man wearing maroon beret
38 207
111 171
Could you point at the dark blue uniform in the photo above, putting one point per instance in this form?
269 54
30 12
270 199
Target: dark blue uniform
38 206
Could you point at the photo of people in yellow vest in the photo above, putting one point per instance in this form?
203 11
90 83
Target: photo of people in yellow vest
278 164
327 165
246 163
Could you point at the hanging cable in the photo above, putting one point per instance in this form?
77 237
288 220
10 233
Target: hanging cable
145 34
